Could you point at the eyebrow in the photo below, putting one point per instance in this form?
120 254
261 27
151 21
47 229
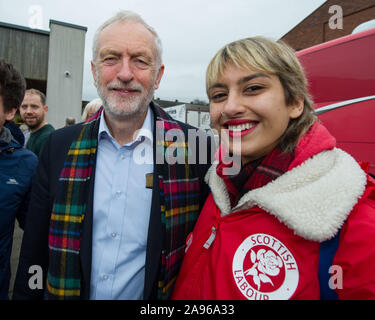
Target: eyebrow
253 76
115 53
109 52
30 104
140 53
242 80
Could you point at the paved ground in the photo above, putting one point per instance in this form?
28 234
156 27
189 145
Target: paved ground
17 238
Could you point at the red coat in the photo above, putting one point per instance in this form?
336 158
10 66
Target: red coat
268 246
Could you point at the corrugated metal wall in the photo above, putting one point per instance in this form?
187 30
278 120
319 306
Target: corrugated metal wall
26 50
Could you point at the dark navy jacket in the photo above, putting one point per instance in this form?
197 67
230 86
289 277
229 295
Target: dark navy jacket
17 168
34 249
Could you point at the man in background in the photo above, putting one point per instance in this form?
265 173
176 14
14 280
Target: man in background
17 167
33 112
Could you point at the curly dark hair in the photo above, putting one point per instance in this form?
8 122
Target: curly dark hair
12 86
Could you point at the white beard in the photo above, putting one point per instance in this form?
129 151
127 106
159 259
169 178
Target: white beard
120 107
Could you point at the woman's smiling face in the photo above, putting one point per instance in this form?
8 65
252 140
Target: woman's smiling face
250 105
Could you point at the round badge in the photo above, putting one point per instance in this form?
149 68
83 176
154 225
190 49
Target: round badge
264 269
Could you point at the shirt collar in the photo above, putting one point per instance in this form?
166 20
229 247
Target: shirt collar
144 133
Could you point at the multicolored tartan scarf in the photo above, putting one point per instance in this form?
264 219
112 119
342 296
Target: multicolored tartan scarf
254 174
180 192
179 208
68 212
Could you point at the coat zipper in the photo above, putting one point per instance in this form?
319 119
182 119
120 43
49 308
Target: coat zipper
211 238
214 228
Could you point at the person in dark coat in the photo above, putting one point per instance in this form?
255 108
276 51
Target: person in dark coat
17 168
15 131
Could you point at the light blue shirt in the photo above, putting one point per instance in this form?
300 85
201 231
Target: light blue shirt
122 206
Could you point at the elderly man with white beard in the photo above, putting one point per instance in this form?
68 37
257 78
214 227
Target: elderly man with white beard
104 225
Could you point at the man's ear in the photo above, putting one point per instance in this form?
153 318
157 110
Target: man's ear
45 108
9 115
296 109
159 76
93 71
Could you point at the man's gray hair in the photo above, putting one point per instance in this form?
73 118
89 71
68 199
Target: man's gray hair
123 16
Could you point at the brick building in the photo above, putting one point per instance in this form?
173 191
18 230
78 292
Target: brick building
315 28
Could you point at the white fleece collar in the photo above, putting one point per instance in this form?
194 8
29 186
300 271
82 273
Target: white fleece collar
313 199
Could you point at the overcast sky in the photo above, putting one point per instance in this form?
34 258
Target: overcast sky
192 31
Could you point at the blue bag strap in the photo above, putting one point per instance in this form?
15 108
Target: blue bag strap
327 251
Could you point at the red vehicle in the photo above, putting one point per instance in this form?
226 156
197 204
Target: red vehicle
341 76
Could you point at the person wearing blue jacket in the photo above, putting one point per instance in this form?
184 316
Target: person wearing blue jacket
17 168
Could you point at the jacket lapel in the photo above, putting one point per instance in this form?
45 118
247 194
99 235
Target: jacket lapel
154 243
154 238
86 242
